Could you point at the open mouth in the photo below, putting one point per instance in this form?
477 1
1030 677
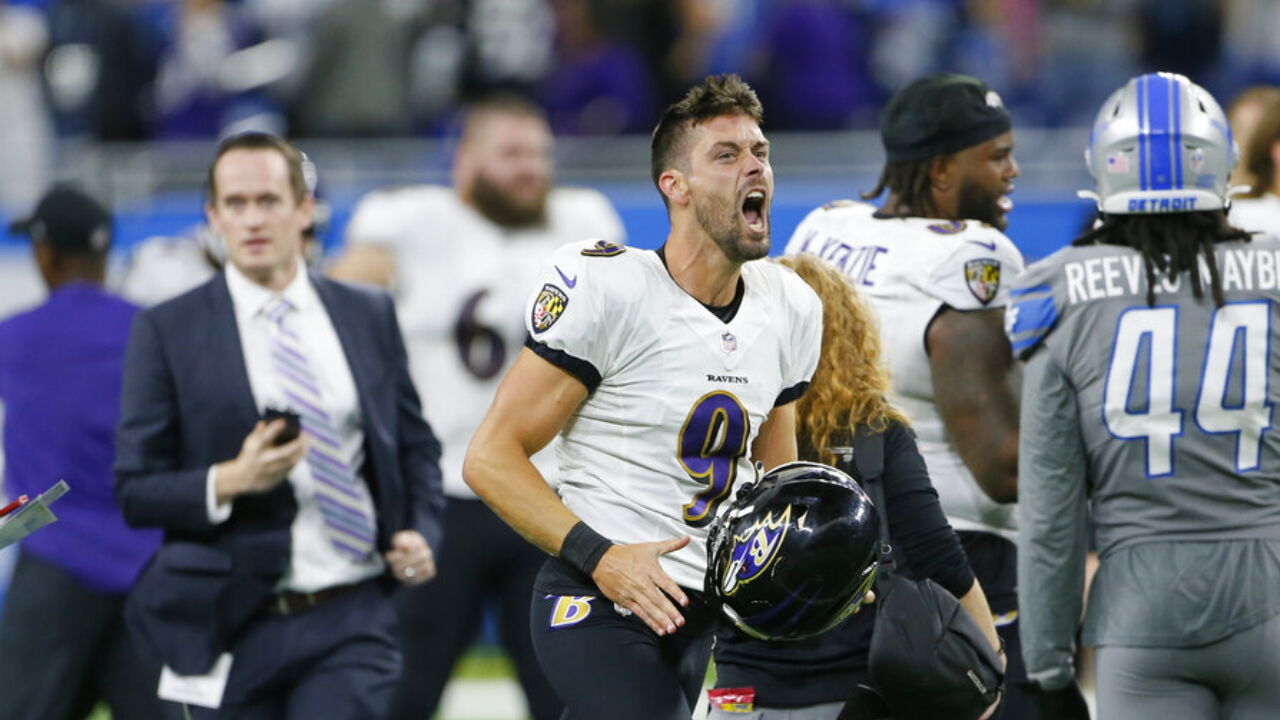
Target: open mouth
753 210
1005 203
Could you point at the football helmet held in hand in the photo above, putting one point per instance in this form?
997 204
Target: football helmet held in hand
794 554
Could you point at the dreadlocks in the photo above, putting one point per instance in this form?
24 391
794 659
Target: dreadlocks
909 188
1170 244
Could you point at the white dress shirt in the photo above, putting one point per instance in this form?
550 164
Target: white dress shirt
314 563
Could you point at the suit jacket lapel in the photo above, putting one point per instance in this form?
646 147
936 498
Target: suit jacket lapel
348 325
224 342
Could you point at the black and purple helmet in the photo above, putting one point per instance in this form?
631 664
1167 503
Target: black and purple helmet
793 555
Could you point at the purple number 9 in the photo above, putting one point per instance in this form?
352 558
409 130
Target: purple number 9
712 440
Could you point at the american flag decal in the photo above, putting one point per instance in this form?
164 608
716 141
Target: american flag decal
1118 163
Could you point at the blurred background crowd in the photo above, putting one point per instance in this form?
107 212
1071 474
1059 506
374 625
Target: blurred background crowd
126 96
113 70
161 69
138 70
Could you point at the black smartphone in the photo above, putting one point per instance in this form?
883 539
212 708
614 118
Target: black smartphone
292 423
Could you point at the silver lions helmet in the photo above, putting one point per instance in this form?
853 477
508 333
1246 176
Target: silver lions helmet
1160 144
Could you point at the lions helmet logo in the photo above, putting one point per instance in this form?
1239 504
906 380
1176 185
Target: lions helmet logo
754 551
983 277
548 308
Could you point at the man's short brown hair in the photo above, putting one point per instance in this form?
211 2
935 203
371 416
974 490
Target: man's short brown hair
715 96
499 103
293 158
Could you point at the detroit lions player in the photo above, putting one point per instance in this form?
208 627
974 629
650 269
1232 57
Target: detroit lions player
665 373
1150 386
461 261
935 266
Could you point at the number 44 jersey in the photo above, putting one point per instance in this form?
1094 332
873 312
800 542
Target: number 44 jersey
1173 402
677 395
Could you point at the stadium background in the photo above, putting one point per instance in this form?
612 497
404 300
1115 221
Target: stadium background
127 97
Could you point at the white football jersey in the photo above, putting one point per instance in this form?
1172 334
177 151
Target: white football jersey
909 268
460 287
1261 215
677 395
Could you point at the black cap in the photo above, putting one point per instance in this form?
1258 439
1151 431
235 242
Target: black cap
940 115
68 219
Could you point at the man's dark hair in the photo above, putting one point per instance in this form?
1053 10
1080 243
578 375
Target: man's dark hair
263 141
715 96
1171 244
909 186
1258 160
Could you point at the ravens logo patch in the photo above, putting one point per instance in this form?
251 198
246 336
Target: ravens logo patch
983 278
548 308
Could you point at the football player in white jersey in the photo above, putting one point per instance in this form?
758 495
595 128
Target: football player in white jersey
666 374
1259 209
934 264
461 261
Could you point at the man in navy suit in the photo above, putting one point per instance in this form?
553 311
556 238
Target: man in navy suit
279 553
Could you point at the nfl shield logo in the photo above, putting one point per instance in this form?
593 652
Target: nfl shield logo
548 308
983 278
728 342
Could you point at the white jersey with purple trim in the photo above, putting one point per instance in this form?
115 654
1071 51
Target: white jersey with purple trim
909 269
677 396
460 287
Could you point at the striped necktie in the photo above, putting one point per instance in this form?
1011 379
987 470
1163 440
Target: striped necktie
339 494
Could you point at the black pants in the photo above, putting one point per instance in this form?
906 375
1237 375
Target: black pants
64 648
995 563
483 565
607 664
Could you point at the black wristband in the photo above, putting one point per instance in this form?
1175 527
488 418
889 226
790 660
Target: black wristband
583 548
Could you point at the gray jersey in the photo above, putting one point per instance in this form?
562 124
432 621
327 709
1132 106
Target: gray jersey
1160 418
